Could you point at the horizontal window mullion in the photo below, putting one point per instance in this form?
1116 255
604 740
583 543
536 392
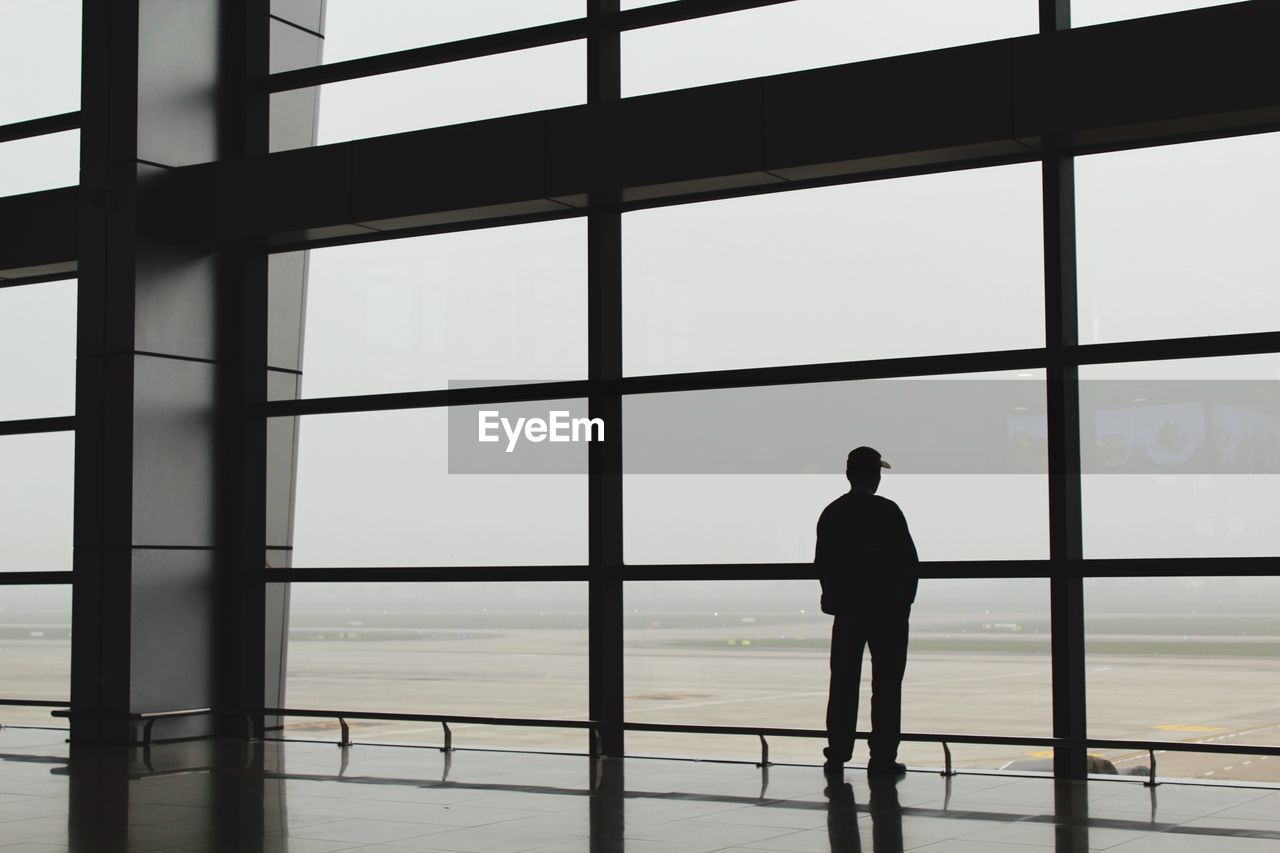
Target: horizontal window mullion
39 126
28 426
542 35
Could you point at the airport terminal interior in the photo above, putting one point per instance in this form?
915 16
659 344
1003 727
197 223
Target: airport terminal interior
416 415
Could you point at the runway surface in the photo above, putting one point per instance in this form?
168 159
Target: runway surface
770 673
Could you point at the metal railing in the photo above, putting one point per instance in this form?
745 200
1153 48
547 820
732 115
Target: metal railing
765 732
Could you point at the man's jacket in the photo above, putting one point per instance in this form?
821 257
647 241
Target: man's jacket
865 556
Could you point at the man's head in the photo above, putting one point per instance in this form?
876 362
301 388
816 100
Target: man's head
863 469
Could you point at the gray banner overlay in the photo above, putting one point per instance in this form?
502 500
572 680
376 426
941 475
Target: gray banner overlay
925 426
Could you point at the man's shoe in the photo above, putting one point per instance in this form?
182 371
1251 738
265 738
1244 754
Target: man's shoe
833 768
886 768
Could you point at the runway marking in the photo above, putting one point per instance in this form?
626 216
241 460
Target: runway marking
1176 727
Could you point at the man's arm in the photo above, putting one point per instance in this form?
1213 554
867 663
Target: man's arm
908 553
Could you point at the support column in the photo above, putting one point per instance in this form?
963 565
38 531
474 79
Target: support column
1066 587
163 617
604 318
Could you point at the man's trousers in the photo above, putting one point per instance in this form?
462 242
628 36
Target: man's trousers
885 631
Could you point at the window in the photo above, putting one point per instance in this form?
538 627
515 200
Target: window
35 649
741 475
35 505
498 304
1185 659
39 59
37 350
861 271
806 34
474 649
375 489
1177 241
523 81
1181 458
40 163
756 654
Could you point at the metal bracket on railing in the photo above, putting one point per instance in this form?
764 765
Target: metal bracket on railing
346 733
947 769
1151 773
764 753
448 738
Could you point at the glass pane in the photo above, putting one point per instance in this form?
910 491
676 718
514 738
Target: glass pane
1186 659
1181 458
523 81
1178 241
355 28
40 163
1086 12
742 475
807 34
496 304
39 59
35 505
474 649
35 650
375 489
867 270
756 653
38 350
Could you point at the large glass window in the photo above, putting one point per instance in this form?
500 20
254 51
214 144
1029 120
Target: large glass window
917 266
40 163
522 81
498 304
376 489
35 504
473 649
741 475
37 350
35 650
1178 241
39 59
356 28
1086 12
1181 458
756 653
1186 659
807 34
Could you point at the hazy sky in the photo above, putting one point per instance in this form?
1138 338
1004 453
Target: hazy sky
1173 241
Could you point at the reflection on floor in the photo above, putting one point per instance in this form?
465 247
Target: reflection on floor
313 798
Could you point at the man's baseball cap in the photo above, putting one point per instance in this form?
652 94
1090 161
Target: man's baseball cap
865 460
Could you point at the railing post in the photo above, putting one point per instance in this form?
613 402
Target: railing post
764 753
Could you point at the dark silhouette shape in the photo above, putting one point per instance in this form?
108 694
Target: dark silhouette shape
866 561
886 817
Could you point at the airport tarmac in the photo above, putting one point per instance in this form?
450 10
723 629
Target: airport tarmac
770 675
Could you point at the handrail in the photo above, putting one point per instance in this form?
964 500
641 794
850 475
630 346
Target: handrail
762 732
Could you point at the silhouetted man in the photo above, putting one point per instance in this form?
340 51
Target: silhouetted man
867 563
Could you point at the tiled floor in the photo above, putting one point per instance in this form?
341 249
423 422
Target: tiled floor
316 798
